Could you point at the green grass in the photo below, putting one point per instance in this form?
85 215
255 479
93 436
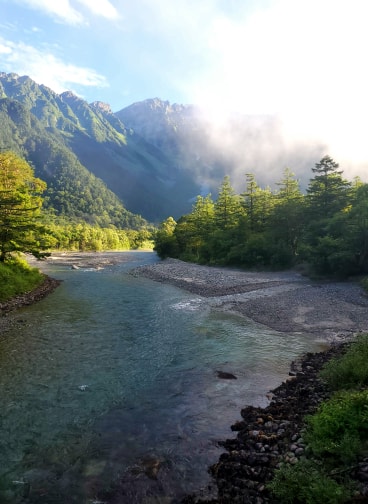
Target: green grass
16 278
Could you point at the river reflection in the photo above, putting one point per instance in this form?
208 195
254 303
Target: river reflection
109 388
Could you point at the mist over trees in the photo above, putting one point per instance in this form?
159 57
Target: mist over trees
326 228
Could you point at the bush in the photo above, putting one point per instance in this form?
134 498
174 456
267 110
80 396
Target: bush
350 370
339 429
306 483
17 277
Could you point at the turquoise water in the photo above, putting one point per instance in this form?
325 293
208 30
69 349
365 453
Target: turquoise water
109 388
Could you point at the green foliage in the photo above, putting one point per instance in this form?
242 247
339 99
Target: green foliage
336 435
83 151
17 277
164 239
339 429
20 205
326 230
227 208
72 190
351 369
328 192
306 483
63 235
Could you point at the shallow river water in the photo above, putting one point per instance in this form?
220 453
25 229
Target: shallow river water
109 390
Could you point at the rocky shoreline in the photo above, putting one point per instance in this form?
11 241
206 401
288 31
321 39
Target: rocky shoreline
9 307
286 301
271 436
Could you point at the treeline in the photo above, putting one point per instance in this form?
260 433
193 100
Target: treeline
326 228
84 237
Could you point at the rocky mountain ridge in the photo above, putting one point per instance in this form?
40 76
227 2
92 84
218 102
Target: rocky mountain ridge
153 156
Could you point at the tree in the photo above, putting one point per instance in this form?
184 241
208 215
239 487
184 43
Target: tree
193 230
327 192
355 231
286 221
165 240
228 208
20 205
328 198
258 204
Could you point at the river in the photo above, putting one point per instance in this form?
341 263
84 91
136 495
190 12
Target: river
109 388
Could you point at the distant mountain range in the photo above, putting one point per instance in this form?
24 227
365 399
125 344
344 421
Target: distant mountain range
150 159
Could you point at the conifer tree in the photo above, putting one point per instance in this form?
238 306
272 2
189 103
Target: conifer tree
20 205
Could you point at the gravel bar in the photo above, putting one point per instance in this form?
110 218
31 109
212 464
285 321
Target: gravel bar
285 301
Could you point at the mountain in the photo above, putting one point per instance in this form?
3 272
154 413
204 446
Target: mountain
151 158
207 144
63 133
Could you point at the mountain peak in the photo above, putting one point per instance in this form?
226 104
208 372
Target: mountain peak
70 96
102 106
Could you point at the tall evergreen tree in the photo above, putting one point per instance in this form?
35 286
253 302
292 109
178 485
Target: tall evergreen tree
228 208
286 222
258 204
328 192
328 195
20 205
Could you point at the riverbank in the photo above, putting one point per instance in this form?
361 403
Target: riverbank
287 302
284 301
8 308
74 260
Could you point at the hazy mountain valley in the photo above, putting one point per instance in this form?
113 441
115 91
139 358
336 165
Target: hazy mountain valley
150 159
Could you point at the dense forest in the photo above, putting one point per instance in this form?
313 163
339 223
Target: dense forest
326 228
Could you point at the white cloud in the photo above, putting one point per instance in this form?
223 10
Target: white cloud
64 11
45 68
302 61
4 49
102 8
59 9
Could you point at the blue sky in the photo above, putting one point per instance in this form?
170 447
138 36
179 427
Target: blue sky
118 51
303 60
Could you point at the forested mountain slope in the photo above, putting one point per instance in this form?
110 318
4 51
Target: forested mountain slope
65 137
155 157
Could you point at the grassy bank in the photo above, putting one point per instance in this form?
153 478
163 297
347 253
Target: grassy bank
17 278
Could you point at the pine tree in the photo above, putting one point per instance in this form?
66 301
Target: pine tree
20 205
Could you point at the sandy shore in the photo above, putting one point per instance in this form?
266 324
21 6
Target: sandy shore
284 301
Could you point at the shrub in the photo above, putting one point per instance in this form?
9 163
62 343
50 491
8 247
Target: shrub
350 370
305 482
339 428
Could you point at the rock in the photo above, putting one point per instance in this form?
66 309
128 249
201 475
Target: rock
226 376
268 437
151 467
